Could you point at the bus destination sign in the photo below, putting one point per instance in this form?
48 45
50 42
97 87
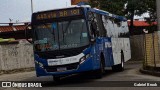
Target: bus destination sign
58 14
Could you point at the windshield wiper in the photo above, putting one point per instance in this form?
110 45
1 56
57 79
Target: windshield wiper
64 31
81 32
67 26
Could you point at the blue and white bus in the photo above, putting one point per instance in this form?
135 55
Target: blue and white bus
79 39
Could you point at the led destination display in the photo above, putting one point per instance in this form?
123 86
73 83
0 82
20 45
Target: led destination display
58 14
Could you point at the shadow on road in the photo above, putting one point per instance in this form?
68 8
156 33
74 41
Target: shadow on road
84 79
88 79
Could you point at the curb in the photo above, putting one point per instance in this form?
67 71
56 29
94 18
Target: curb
133 62
149 72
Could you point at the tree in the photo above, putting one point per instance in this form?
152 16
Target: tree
128 8
112 6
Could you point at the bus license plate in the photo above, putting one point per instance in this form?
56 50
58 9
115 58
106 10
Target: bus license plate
60 69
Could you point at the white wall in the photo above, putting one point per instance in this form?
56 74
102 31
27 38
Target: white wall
16 56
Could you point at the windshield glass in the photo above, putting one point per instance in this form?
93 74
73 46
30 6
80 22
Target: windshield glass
60 35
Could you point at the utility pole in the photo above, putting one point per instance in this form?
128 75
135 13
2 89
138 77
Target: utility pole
31 6
158 14
158 23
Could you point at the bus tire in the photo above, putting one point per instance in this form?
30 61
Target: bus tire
56 78
119 67
99 73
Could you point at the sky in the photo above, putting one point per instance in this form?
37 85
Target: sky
20 10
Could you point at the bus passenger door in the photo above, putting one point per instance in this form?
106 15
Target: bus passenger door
108 52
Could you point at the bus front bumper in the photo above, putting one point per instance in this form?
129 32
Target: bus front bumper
83 67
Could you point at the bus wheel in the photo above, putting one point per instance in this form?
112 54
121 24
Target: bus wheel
119 67
99 73
56 78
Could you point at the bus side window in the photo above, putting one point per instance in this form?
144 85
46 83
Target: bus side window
91 17
93 25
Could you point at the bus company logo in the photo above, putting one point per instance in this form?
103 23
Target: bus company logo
6 84
62 56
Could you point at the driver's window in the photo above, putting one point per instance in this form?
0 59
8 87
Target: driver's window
93 28
93 25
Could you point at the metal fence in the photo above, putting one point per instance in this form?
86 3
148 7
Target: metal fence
151 51
146 47
137 47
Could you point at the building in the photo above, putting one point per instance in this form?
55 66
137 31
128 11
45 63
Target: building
13 31
140 26
79 2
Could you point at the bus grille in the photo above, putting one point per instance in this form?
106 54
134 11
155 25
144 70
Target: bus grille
68 67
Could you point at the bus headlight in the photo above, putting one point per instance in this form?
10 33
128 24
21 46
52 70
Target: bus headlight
84 58
40 64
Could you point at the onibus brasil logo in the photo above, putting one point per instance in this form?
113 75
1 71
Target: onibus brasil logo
21 84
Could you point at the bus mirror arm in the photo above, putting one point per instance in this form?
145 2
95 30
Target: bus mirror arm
26 33
92 40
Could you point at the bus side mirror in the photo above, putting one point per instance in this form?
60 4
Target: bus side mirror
92 33
92 40
27 28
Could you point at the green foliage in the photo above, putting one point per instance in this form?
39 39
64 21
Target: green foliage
127 8
112 6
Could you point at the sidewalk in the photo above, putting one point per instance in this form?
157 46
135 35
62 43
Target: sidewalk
150 72
19 76
16 71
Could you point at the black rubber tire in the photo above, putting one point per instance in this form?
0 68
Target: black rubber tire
122 62
56 78
99 73
119 67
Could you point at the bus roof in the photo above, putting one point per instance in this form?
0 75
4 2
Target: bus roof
73 6
102 12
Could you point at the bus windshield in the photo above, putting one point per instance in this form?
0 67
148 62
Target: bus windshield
60 35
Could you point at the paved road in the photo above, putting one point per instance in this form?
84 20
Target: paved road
131 73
